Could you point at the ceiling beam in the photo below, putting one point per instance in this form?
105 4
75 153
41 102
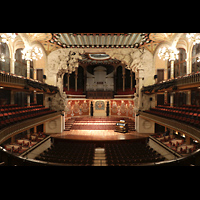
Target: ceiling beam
135 39
108 40
80 37
76 40
97 40
86 40
130 38
119 39
68 35
123 40
67 43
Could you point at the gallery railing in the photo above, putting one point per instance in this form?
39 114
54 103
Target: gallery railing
173 84
13 79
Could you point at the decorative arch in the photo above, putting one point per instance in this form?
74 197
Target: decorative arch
176 38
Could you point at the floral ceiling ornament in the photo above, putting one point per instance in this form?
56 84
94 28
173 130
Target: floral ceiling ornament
30 53
192 37
6 37
170 53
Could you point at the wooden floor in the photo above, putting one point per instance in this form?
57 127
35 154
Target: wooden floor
98 135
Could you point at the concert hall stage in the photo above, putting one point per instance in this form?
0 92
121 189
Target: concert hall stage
97 129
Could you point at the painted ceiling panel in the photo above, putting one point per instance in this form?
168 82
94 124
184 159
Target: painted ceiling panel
95 40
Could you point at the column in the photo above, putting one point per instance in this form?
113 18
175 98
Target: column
35 129
34 74
188 98
76 77
85 79
131 75
28 99
12 65
187 140
172 99
115 80
28 68
34 97
188 64
123 76
12 97
172 69
68 81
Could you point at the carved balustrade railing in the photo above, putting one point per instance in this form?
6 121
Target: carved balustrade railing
173 84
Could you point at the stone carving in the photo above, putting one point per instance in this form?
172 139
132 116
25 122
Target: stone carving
63 61
58 102
130 57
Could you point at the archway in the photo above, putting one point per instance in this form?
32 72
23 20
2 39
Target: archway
73 83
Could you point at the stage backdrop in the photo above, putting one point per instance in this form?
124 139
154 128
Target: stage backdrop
124 108
77 108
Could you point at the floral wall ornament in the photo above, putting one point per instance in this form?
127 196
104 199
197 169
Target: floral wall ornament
122 108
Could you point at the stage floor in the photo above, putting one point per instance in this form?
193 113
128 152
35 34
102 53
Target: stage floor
99 135
98 129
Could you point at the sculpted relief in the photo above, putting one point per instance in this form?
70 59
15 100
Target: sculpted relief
64 61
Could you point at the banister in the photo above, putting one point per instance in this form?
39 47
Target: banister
173 124
9 131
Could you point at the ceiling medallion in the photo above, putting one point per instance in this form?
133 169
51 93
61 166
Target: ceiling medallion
99 56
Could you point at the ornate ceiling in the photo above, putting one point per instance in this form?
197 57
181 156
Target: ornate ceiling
100 40
54 41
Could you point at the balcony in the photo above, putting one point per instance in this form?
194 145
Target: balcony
180 83
19 82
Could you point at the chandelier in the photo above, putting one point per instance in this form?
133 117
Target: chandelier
2 58
7 37
170 53
193 38
30 54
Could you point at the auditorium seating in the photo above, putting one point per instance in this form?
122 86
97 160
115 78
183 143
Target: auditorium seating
11 114
189 114
127 154
76 153
116 153
23 142
176 143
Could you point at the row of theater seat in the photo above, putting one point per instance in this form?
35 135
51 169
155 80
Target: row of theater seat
117 154
19 108
9 116
184 114
127 154
77 154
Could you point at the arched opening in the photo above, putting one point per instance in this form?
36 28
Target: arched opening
4 57
21 64
74 83
119 79
80 80
179 64
195 55
129 81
